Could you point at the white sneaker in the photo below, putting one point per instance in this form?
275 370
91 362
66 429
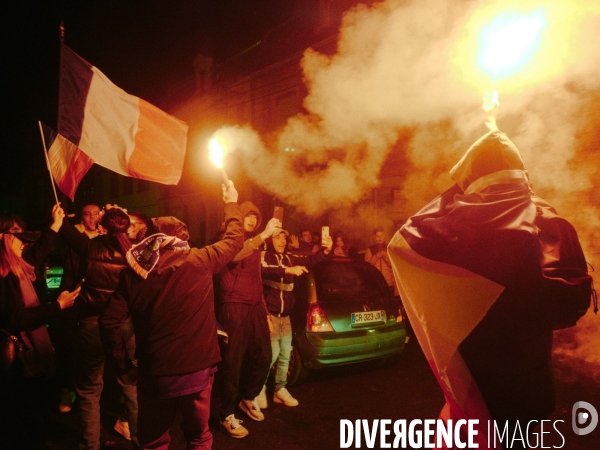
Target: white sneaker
262 398
122 428
233 427
251 408
283 396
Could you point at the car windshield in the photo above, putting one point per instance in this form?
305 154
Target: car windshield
338 282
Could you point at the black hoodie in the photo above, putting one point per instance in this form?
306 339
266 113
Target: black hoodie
240 279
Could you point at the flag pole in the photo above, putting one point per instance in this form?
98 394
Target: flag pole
48 161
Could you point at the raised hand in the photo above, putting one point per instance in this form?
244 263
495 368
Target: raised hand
272 225
230 194
490 109
327 243
58 214
294 241
66 298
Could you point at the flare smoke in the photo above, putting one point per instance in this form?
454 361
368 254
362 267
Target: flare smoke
399 69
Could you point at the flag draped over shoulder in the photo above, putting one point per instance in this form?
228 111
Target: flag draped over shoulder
471 270
114 129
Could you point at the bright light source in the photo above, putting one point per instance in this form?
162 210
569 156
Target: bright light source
509 42
216 152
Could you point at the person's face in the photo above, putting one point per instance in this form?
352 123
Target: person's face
279 242
379 237
307 237
250 223
90 215
339 242
17 246
135 227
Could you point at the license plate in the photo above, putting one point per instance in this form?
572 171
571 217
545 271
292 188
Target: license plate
368 317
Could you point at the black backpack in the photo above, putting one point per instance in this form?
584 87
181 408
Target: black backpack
567 287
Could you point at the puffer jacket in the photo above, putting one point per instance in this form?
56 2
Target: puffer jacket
103 260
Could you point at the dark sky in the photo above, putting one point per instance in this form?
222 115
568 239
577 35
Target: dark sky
142 46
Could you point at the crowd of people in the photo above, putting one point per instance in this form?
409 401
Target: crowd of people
133 294
136 294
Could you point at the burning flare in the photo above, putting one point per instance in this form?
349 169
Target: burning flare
217 152
509 42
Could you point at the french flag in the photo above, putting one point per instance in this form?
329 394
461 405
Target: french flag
486 271
105 125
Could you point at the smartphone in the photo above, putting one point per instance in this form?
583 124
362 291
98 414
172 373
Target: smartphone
324 232
278 213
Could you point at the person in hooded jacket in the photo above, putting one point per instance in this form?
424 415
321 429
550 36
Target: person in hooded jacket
513 271
278 269
168 292
244 318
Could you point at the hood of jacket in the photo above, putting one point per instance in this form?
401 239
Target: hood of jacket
248 208
493 152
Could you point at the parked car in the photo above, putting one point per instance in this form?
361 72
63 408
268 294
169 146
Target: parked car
344 313
53 272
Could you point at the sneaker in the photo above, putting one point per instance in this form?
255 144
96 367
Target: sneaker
122 428
67 398
262 398
251 408
233 427
283 396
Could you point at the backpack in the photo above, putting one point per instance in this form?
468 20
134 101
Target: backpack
567 287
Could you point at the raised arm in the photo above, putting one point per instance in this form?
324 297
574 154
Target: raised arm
223 251
252 245
39 250
74 239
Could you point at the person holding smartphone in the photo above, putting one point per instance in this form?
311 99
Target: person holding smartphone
243 316
24 382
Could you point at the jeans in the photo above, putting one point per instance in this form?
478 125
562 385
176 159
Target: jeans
157 416
249 345
281 346
90 382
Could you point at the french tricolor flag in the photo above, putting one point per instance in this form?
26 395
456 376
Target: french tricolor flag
100 123
486 271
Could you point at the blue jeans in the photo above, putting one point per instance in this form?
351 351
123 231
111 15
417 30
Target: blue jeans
281 346
90 382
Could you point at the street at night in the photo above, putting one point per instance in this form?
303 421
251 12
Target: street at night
301 179
404 389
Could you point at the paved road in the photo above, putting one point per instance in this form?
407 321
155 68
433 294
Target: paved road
404 390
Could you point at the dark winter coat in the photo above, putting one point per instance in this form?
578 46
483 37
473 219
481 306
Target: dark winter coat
14 316
103 261
173 309
240 280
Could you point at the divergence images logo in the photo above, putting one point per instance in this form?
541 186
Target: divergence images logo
580 417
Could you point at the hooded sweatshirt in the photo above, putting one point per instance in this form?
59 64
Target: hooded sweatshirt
240 280
492 224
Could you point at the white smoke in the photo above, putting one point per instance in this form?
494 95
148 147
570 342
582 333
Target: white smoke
401 66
